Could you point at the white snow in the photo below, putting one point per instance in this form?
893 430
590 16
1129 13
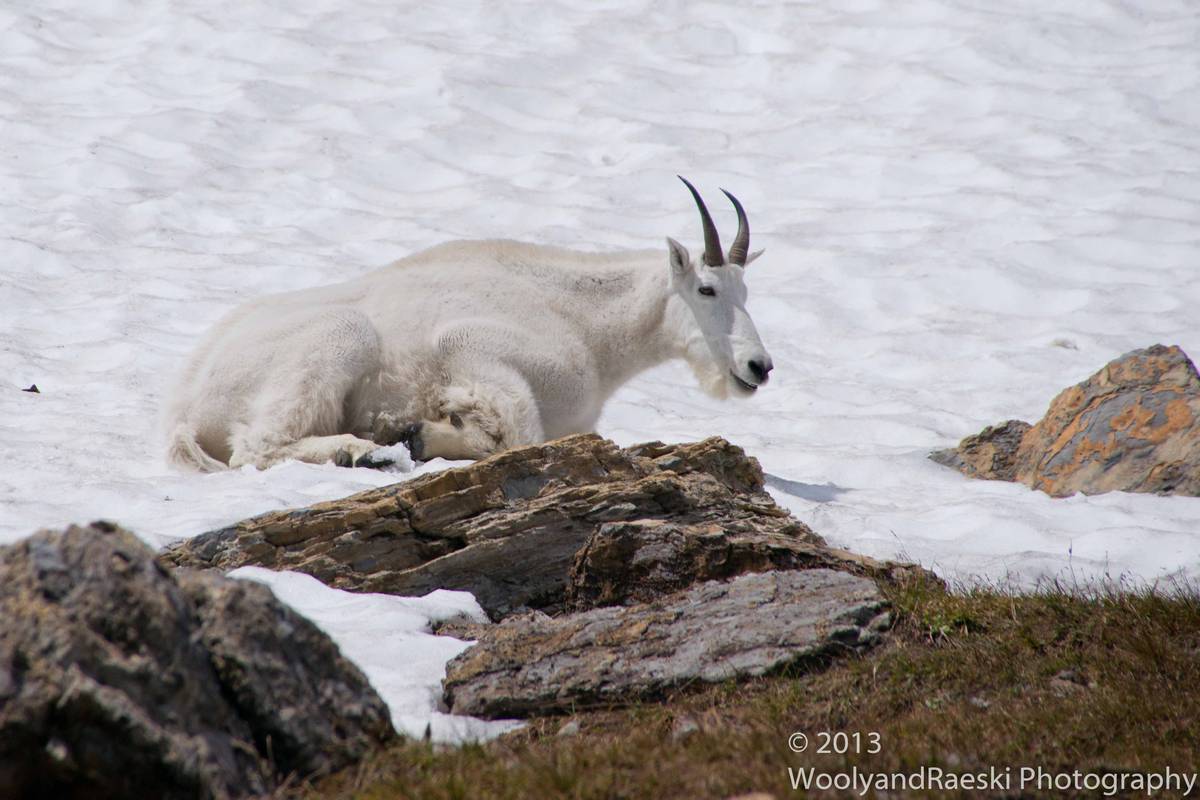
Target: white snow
967 206
389 639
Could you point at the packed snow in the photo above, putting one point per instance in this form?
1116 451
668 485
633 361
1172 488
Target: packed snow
967 206
389 639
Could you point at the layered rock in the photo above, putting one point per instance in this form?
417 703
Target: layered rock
119 679
638 561
1133 426
714 631
507 528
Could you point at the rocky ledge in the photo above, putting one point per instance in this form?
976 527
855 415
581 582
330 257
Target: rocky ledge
1133 426
640 522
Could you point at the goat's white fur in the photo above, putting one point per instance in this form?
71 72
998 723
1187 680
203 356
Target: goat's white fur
486 345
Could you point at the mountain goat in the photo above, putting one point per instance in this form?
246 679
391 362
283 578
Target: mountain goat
461 351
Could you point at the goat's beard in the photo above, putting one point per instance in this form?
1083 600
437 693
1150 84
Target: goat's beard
713 379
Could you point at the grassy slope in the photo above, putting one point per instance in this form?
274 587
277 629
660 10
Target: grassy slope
1107 682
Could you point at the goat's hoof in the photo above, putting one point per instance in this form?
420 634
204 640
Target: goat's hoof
345 458
373 461
410 437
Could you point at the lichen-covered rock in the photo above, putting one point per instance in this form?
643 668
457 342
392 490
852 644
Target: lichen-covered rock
506 528
1134 426
714 631
990 454
1130 427
119 679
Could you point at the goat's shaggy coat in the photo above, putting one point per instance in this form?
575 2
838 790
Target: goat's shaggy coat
459 351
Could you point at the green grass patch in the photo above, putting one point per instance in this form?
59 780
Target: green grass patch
1100 681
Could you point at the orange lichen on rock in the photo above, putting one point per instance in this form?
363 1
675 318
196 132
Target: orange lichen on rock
1132 427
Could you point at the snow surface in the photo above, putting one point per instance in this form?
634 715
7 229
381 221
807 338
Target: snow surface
389 639
967 206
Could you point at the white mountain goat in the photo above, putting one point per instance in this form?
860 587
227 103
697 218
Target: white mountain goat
461 351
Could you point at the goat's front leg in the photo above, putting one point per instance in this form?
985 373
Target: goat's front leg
477 420
345 450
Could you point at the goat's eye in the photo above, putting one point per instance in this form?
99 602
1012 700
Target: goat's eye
708 291
456 420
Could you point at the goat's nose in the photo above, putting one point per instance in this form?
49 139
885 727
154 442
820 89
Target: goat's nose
760 368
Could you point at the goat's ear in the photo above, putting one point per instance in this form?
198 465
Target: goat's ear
750 258
681 262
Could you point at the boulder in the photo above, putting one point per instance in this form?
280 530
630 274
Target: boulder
1134 426
714 631
508 528
120 679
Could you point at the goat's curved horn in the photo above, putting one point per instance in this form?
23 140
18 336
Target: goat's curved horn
741 242
713 255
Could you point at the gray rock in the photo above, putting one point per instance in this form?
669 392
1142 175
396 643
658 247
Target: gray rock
714 631
638 561
310 709
119 679
684 728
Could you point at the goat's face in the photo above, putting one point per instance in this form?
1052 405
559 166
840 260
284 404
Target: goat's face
722 345
720 341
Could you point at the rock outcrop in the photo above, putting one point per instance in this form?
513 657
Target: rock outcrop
1134 426
617 573
751 625
509 528
120 679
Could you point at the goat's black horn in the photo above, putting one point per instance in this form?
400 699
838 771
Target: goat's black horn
713 255
741 242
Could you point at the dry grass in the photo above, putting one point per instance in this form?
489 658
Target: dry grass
1101 681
